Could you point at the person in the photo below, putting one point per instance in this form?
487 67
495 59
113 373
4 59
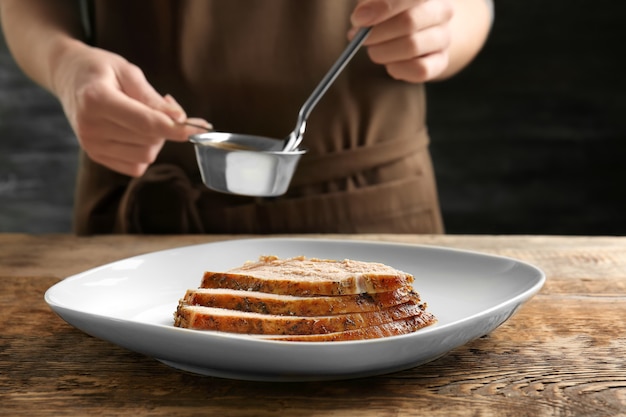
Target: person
129 78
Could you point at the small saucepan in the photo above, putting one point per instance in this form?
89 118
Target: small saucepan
245 164
259 166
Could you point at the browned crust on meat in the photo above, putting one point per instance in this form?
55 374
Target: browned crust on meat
206 318
299 306
369 284
396 328
300 276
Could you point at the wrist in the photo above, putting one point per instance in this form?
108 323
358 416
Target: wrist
60 51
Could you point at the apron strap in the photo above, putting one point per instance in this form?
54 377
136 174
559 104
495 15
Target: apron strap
321 168
163 200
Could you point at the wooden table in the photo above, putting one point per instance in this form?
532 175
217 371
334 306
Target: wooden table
562 354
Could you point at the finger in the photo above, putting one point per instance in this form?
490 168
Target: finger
128 158
134 83
419 70
179 114
424 16
128 152
102 101
372 12
191 126
199 123
150 122
124 168
99 129
93 132
133 115
416 45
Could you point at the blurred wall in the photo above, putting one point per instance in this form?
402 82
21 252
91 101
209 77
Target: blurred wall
529 139
38 155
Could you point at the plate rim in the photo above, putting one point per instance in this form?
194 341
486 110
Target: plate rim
510 304
527 293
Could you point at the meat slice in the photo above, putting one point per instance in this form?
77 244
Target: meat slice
302 276
395 328
219 319
288 305
305 299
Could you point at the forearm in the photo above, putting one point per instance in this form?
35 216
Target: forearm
39 33
469 28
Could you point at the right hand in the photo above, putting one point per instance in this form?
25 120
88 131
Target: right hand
120 120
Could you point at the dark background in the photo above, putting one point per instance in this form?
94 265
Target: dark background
527 140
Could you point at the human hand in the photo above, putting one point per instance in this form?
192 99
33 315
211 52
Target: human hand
120 120
411 38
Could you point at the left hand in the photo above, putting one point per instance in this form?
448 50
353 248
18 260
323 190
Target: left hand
411 38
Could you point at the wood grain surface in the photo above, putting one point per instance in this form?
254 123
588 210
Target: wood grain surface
562 354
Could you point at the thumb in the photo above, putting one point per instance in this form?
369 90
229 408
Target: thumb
173 109
372 12
134 84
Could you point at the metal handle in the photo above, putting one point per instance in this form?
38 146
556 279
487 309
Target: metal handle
295 137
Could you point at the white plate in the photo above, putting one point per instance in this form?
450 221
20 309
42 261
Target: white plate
131 303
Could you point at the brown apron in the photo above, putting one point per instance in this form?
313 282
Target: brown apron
247 66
